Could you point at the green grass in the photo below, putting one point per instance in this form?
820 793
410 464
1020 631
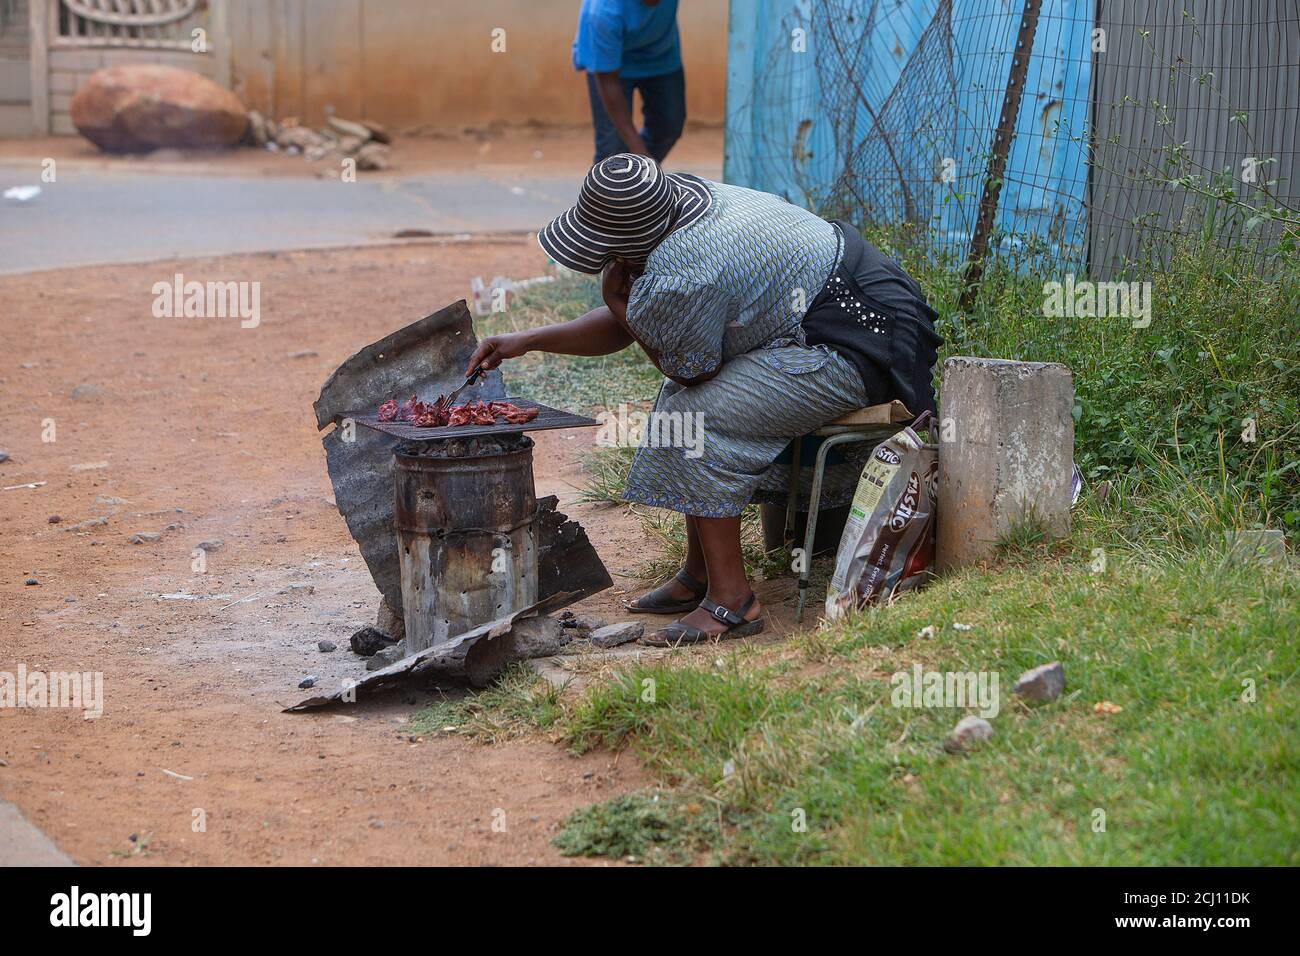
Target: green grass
1186 773
1223 346
1145 605
519 703
644 827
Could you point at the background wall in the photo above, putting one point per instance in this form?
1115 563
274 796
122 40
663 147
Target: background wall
430 63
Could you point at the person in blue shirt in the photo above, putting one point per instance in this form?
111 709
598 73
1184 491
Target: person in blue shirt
626 46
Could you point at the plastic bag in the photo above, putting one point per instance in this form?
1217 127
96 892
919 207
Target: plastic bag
888 542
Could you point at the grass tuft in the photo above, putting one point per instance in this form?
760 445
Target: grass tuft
519 703
645 827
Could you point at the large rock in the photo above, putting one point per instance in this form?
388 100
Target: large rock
141 107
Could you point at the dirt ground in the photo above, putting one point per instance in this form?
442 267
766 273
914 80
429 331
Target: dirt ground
197 429
537 149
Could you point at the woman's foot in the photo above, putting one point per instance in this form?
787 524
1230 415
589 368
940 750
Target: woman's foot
712 621
678 595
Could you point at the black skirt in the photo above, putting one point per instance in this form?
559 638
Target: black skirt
875 315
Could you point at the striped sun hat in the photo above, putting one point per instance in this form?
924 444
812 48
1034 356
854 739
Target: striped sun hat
625 208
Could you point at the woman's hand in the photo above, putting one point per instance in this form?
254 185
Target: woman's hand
596 333
496 348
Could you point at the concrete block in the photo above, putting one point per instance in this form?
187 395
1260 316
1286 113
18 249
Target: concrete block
1006 448
61 102
61 125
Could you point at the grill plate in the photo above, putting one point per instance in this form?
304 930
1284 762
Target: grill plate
547 419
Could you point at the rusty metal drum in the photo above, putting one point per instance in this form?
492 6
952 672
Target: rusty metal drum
465 537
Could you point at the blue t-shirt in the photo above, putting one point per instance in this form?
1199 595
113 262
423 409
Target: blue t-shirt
628 37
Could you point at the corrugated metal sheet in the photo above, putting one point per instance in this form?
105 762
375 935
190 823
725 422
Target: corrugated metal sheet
1168 87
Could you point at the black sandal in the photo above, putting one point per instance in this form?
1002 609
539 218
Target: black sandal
678 633
664 603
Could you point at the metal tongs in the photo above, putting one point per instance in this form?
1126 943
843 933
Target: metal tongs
443 404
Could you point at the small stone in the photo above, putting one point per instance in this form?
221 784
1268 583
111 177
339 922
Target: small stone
212 544
31 582
369 641
309 681
612 635
378 131
539 636
69 600
88 523
1045 682
581 628
141 537
374 156
385 656
969 733
85 391
296 139
350 144
4 456
54 519
302 353
326 647
349 128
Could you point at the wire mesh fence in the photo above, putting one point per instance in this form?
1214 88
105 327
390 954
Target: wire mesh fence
1057 135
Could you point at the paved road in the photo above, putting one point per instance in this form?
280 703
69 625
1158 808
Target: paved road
21 844
90 218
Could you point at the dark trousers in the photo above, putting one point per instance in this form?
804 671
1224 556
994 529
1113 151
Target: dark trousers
663 106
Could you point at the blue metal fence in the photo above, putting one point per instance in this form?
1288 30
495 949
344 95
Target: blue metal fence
1135 121
884 110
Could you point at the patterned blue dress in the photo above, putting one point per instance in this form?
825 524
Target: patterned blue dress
729 292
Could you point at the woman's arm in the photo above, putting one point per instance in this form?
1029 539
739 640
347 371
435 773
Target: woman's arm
596 333
616 288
